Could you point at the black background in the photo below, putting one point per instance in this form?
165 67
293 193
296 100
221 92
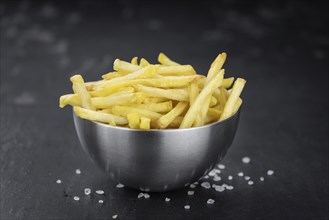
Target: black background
281 48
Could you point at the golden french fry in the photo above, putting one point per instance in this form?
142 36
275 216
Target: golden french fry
199 120
181 70
213 101
201 99
81 91
209 119
176 122
149 100
91 85
134 61
133 120
227 82
237 105
120 99
144 63
232 99
214 113
69 99
123 66
164 60
105 110
145 123
99 116
166 119
155 107
193 91
112 122
216 66
124 110
112 75
174 94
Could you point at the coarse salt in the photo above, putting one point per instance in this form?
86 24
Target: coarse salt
214 172
217 178
247 177
261 178
192 186
187 207
87 191
196 183
250 182
206 185
270 172
246 160
221 166
114 216
76 198
146 195
220 188
59 181
140 195
100 192
167 199
206 177
100 201
190 193
119 185
240 174
229 187
78 171
210 201
230 177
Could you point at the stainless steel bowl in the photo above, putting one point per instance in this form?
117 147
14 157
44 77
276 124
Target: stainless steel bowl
156 160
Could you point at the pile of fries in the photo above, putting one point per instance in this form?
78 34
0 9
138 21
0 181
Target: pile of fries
156 96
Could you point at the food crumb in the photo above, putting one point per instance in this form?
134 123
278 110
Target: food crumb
190 193
87 191
100 192
78 171
76 198
187 207
261 178
247 177
114 216
167 199
59 181
210 201
221 166
246 160
250 182
240 174
100 201
119 185
230 177
140 195
205 185
270 172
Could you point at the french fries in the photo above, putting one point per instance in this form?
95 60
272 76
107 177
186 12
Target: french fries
168 95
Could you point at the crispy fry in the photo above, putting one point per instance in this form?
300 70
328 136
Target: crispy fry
164 60
144 63
216 66
174 94
112 75
155 107
69 99
176 122
237 105
133 120
145 123
120 99
166 119
201 99
81 91
213 101
232 99
193 91
98 116
214 113
124 110
134 61
112 122
149 100
126 67
181 70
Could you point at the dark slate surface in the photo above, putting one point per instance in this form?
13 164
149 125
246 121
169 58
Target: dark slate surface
280 48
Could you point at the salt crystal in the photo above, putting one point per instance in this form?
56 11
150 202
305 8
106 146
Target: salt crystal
270 172
250 182
240 174
210 201
146 195
76 198
230 177
192 186
247 177
214 185
114 216
58 181
78 171
140 195
100 201
196 183
219 188
217 178
167 199
221 166
206 177
119 185
205 185
187 207
229 187
87 191
100 192
190 193
261 178
246 160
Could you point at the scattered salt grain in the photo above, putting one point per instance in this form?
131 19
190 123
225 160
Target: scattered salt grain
196 183
247 177
87 191
78 171
190 193
58 181
76 198
100 201
229 187
114 216
270 172
100 192
230 177
210 201
167 199
205 185
246 160
221 166
146 195
192 186
250 182
206 177
119 185
219 188
213 172
187 207
261 178
240 174
140 195
217 178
